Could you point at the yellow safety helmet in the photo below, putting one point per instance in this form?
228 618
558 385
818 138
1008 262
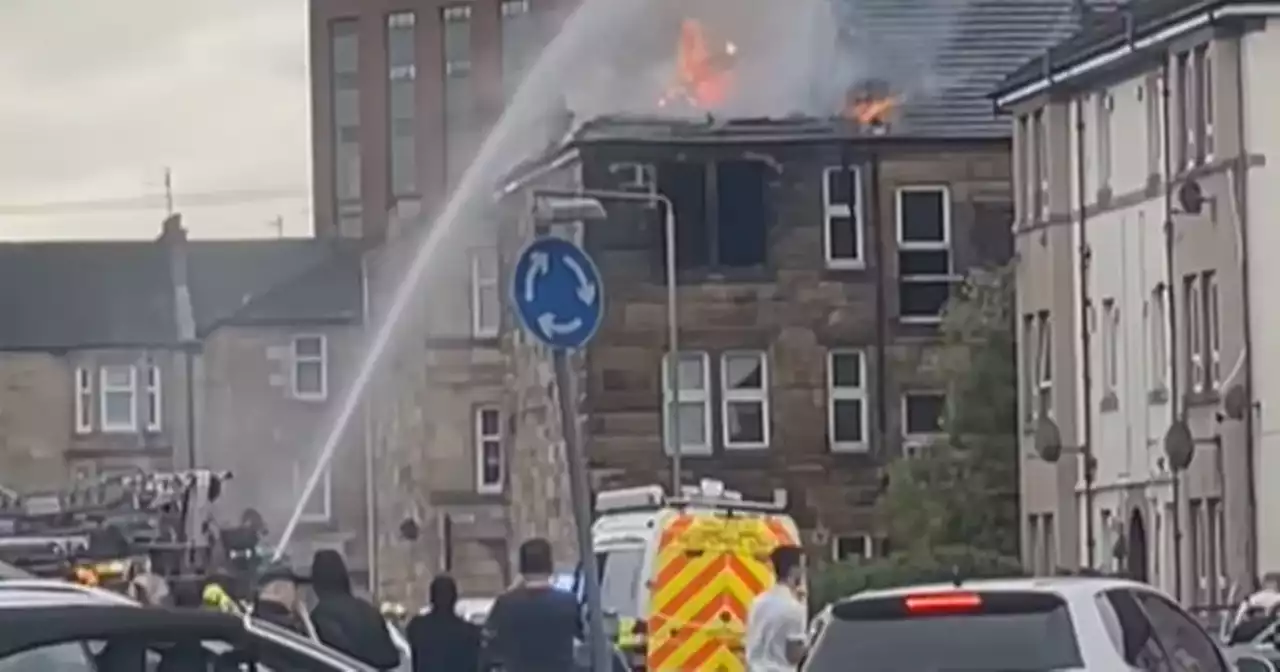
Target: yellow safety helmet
85 576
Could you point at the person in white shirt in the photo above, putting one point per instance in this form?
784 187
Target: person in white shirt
776 623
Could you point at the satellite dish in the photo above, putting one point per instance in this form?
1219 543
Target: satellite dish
1048 440
1191 197
1236 403
1179 445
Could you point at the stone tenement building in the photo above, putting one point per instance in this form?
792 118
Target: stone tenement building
813 263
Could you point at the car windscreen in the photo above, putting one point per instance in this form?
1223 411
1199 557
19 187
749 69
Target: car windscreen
948 632
620 571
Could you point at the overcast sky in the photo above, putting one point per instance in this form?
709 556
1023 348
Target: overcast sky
100 96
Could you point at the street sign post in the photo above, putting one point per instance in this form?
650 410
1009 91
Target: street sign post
558 296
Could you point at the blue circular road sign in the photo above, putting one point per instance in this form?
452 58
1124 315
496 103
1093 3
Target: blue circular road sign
557 293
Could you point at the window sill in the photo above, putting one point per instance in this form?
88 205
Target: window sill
922 320
119 429
845 265
848 448
730 448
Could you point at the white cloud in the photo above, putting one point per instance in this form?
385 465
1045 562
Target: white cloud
110 93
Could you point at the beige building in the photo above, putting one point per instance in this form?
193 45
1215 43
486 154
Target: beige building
164 354
1141 249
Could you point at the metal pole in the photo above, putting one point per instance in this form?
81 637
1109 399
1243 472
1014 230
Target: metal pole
580 493
673 352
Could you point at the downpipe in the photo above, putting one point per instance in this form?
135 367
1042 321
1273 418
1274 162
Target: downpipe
1089 463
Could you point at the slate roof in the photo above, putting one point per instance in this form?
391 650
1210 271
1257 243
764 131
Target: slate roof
950 54
1106 32
120 294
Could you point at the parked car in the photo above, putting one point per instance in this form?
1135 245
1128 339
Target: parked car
1065 623
1254 658
77 629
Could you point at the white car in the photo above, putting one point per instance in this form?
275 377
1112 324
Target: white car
1060 623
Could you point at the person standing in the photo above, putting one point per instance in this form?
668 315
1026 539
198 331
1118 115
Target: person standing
533 626
776 622
277 599
344 621
441 640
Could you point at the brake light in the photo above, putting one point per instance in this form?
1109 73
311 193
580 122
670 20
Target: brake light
942 603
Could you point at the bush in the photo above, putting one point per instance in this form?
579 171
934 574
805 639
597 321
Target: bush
907 568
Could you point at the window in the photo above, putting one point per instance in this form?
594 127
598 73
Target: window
458 98
1253 664
1213 328
1183 638
924 252
1192 331
1040 133
520 43
922 413
1050 544
154 408
1034 560
1154 87
486 302
84 401
1022 174
1186 111
1044 366
1195 537
1204 103
402 72
119 399
744 380
1104 103
1157 326
621 573
842 216
846 546
1110 347
67 656
732 231
1030 371
490 471
1136 640
689 414
847 401
319 507
310 368
345 45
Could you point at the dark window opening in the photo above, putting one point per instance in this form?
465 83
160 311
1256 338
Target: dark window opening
924 252
922 412
685 184
923 299
742 223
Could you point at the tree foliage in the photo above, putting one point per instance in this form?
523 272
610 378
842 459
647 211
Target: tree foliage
904 568
962 491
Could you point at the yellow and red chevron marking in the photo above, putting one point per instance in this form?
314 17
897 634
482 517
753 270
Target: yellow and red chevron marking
701 594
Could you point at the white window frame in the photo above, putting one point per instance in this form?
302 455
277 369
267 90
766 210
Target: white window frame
1104 107
759 396
325 486
917 437
1031 368
1044 364
1040 163
459 13
853 210
868 546
479 284
84 400
155 403
684 396
1110 346
1213 335
1157 325
846 393
322 359
479 442
943 245
1193 323
108 426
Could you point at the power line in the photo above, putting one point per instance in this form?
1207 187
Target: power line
157 202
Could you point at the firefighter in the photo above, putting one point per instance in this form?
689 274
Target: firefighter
215 597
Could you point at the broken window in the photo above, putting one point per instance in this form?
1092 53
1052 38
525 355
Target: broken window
726 228
741 216
924 252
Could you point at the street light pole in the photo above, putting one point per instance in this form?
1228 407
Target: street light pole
672 392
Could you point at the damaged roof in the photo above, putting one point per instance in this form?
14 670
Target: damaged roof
121 294
967 46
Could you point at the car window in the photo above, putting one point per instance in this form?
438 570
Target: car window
1188 645
620 576
1137 643
984 631
1251 664
63 657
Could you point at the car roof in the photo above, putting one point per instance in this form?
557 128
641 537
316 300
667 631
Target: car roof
41 624
16 593
1068 587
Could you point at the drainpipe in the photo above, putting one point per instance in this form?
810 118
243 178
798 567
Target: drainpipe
1241 194
882 307
1086 366
1172 312
370 496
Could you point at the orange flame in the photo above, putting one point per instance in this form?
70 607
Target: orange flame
870 111
702 78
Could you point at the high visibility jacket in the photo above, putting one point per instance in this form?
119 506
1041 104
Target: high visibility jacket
216 597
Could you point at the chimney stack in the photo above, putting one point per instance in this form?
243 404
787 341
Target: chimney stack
171 230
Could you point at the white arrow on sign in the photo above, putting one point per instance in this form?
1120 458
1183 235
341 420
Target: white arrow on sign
550 328
586 288
539 264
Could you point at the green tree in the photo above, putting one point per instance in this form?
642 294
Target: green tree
962 491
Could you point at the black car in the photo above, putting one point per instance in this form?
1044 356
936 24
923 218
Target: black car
51 632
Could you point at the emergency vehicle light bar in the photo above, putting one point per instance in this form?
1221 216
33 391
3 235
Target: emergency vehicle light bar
710 493
643 497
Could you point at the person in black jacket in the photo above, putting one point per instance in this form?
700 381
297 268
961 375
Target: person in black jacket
344 621
441 640
277 599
